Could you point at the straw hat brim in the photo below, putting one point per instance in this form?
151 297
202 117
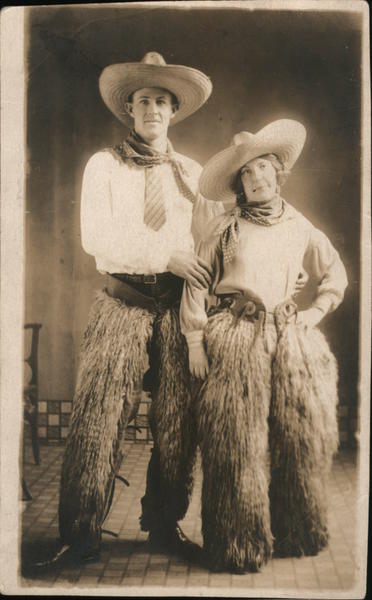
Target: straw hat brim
191 87
284 138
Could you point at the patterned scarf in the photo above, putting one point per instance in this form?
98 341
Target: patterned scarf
135 149
268 214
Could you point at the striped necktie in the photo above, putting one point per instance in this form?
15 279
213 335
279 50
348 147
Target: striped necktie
154 211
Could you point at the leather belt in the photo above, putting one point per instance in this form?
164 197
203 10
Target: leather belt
164 294
150 279
252 308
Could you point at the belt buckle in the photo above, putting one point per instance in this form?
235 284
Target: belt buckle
149 278
285 312
245 308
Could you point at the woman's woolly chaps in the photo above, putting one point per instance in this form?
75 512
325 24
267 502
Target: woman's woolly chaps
303 439
257 399
232 414
113 360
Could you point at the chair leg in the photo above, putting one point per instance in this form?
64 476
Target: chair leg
35 438
25 492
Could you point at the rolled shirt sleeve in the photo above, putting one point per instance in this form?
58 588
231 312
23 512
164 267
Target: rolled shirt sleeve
96 208
323 262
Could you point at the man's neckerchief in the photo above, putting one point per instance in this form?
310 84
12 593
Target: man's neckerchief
135 149
273 212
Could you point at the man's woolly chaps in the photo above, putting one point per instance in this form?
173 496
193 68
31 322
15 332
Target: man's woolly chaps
170 473
113 360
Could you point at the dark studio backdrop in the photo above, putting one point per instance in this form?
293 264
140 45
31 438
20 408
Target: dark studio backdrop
264 65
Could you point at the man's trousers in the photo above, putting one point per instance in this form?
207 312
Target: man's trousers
118 343
267 430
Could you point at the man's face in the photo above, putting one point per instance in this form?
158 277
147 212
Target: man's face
152 111
259 180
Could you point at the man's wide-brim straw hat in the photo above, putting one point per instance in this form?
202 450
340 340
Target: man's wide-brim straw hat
117 82
285 138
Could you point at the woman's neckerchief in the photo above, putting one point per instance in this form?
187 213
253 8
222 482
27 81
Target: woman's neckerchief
268 213
271 213
135 149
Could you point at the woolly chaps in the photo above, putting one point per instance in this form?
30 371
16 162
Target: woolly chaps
113 360
303 439
170 473
259 403
232 416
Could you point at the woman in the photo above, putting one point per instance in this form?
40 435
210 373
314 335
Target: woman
272 379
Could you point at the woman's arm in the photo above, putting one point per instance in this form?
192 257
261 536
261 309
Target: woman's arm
203 216
193 310
323 263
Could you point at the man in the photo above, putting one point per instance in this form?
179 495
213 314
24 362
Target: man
140 213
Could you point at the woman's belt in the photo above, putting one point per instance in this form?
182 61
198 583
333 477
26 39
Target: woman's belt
153 292
251 307
150 279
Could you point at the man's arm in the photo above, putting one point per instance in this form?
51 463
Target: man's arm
190 266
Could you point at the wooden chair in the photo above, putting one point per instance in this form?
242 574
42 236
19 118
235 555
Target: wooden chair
30 393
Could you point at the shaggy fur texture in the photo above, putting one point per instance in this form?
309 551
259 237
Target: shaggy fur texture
293 372
169 482
233 435
113 359
303 439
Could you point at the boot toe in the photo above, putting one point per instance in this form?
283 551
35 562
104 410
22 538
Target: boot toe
174 541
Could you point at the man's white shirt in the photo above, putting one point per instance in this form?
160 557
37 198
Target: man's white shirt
112 209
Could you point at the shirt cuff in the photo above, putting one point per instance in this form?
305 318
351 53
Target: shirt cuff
323 303
194 338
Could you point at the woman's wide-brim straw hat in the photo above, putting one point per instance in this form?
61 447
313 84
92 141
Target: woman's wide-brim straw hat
285 138
117 82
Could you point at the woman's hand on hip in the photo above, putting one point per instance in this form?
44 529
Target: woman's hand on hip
301 281
191 267
198 362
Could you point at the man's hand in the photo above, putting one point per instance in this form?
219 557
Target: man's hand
198 361
310 317
191 267
301 281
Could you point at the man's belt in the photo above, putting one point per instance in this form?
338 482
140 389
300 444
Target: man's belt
134 290
150 279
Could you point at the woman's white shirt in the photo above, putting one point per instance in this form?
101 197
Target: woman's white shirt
267 262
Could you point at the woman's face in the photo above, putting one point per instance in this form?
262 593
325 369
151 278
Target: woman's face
259 180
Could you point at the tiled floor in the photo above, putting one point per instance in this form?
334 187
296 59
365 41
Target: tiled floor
126 561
